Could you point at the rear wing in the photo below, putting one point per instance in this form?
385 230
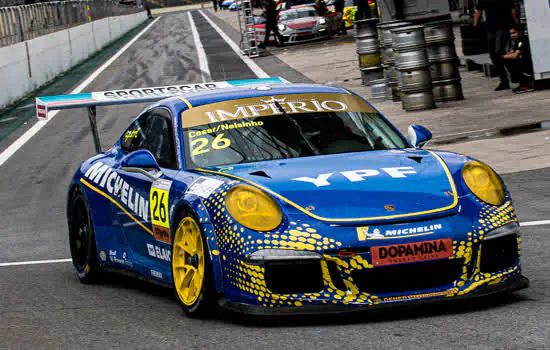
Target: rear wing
91 100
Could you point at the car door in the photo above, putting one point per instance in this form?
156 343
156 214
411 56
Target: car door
148 232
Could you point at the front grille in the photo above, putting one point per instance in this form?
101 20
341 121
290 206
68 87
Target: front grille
498 254
408 277
294 277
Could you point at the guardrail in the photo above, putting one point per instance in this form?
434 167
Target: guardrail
20 23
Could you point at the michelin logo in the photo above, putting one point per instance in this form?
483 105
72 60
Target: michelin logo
364 233
108 179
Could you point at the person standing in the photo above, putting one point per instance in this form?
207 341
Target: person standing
339 7
271 24
500 14
215 5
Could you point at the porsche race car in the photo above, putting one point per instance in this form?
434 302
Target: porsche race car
302 23
265 197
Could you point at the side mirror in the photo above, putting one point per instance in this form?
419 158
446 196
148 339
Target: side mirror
143 162
419 135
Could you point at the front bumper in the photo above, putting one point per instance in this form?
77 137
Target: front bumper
310 34
510 285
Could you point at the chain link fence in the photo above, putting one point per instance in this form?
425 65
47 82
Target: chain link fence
20 23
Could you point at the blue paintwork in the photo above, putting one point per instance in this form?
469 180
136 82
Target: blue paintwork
124 242
67 98
141 159
421 135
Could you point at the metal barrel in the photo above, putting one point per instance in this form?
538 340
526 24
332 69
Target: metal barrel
385 29
438 32
379 89
414 80
366 27
395 93
412 58
369 59
388 55
390 74
417 100
445 70
441 51
408 37
367 43
448 90
368 75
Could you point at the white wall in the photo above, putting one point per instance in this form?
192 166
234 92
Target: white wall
52 54
538 25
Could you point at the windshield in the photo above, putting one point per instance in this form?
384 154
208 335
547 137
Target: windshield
297 13
282 127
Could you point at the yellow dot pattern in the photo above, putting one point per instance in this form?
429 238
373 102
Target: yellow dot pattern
235 242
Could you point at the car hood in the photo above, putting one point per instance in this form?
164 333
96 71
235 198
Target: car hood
300 23
375 185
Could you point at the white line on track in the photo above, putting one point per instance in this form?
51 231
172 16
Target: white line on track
14 147
535 223
251 64
39 262
203 61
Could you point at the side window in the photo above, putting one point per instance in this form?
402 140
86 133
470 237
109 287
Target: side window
153 132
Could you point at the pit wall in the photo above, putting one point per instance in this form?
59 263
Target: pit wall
27 65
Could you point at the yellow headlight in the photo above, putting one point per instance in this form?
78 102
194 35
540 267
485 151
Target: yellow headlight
483 182
253 208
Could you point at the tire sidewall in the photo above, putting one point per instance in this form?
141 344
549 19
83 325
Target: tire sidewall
91 266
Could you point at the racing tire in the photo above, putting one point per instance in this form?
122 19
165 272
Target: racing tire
82 239
192 277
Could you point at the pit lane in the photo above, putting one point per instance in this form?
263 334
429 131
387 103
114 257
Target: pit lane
45 306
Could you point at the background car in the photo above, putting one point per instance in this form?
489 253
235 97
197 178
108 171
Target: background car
302 23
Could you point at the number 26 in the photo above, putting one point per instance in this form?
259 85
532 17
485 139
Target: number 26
219 142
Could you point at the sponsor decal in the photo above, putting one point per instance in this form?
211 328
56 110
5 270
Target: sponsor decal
103 256
113 257
204 187
107 179
412 252
366 233
159 253
156 91
156 274
158 197
270 105
358 175
424 295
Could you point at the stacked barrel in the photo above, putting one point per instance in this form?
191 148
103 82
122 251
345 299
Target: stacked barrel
411 60
368 50
444 62
388 57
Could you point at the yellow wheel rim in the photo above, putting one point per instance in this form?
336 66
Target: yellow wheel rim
188 261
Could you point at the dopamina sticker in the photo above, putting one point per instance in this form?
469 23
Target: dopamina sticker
269 105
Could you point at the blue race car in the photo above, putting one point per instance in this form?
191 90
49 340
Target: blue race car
275 198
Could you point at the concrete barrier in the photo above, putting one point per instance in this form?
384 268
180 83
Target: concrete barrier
27 65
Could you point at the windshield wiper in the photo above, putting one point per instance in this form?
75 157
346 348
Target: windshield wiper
298 129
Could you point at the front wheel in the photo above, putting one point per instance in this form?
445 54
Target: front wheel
192 277
82 239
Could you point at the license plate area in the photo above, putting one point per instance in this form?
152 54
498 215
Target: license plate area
412 252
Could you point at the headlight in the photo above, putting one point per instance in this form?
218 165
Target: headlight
322 20
281 27
483 182
253 208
